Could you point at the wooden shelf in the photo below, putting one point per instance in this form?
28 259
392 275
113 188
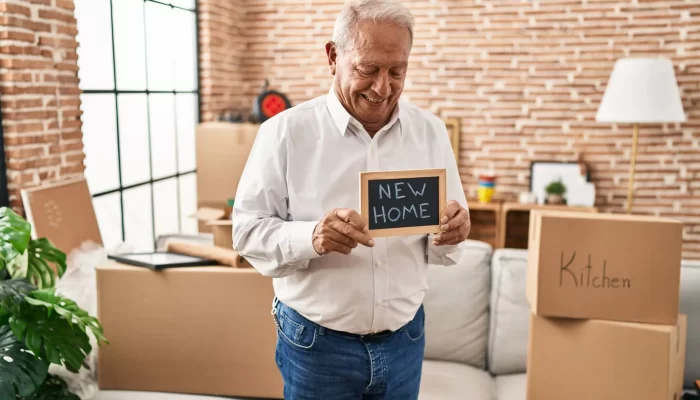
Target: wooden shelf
485 219
506 224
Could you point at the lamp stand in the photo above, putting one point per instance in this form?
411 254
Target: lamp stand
633 160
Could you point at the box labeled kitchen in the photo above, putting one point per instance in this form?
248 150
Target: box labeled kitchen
604 266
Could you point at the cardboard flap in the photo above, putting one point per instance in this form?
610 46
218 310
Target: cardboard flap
207 214
220 222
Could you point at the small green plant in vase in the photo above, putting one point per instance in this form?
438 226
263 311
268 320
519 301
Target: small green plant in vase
555 192
37 326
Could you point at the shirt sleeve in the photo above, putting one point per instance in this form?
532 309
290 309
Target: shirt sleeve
447 254
263 230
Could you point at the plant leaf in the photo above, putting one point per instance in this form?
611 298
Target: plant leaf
12 295
21 372
52 337
42 256
69 310
13 292
15 233
17 268
53 388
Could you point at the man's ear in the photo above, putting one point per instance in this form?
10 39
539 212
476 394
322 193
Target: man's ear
332 55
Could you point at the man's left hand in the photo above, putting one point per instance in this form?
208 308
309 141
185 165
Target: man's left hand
455 225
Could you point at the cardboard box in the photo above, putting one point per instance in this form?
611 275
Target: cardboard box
222 152
604 266
223 233
53 210
604 360
201 330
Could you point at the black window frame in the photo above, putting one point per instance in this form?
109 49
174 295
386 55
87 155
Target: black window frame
116 92
4 190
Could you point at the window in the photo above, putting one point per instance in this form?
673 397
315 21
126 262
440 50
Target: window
138 73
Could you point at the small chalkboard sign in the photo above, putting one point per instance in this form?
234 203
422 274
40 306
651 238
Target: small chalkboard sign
405 202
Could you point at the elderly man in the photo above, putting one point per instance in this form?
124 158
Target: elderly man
348 307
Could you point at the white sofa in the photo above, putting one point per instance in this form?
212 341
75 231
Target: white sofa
477 329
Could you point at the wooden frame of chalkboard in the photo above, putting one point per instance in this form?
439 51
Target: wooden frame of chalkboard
423 217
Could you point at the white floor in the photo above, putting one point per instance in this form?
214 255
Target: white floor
127 395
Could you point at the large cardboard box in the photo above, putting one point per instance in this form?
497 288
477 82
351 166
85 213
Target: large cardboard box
604 360
200 330
604 266
222 152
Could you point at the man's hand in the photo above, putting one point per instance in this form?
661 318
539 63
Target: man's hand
455 225
341 230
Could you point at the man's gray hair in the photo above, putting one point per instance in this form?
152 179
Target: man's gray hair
354 11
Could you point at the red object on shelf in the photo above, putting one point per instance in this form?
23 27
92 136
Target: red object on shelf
272 105
269 103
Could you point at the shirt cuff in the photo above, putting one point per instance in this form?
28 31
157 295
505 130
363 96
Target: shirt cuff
300 241
443 255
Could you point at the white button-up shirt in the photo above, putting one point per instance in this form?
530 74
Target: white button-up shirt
305 162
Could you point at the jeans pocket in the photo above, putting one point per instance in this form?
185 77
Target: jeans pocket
415 330
295 329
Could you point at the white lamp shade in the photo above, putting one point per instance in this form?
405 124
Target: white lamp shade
642 91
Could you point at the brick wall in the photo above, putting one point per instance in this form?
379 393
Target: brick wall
222 45
40 93
523 77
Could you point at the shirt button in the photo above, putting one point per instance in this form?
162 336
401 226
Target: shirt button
379 263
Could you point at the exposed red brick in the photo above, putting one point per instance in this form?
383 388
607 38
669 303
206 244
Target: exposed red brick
35 89
6 8
10 105
65 4
19 36
20 22
68 30
22 127
59 16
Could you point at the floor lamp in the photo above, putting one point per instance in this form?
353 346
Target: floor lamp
641 91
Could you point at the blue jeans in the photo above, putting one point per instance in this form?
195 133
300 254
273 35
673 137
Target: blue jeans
319 363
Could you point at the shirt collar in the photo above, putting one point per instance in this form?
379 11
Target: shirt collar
341 117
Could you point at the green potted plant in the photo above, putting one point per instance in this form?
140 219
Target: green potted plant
555 192
37 326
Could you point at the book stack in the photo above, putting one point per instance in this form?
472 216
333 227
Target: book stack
604 291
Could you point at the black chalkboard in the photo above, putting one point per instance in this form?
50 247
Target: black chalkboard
403 202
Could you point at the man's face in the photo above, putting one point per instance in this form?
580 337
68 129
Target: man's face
370 72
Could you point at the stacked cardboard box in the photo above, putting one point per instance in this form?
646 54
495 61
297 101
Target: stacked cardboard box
222 152
604 297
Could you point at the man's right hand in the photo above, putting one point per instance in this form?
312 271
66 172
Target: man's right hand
341 230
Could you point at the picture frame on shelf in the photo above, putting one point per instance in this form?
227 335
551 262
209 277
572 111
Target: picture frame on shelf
572 174
453 130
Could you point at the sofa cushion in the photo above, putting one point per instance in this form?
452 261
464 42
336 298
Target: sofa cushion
511 387
507 349
456 308
444 380
690 306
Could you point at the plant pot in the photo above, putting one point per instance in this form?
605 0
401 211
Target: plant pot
555 199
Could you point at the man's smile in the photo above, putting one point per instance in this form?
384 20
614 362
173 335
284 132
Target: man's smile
373 100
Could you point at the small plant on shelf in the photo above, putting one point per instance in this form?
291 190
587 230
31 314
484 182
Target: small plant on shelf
555 192
37 326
